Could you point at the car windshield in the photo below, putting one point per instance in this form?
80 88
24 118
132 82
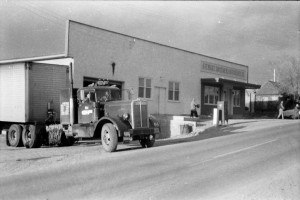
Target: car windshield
104 95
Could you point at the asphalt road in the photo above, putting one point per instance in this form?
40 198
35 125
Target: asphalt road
243 162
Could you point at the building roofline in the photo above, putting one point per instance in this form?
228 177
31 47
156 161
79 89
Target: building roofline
246 85
156 43
33 59
66 48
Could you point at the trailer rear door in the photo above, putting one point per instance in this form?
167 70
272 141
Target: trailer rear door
12 92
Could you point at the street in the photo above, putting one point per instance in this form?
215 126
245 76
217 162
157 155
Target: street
251 159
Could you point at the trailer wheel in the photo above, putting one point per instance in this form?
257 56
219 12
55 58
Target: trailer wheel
109 137
14 136
31 137
148 142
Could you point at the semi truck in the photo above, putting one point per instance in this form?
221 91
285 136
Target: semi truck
39 106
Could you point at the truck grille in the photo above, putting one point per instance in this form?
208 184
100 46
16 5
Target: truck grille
140 114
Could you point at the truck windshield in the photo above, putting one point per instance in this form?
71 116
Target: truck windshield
108 95
86 96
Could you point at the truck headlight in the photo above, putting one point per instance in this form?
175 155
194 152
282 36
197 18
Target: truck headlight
125 116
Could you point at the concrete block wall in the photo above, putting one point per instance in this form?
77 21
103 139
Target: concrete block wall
177 125
172 126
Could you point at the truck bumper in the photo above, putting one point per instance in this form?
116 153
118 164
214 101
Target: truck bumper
139 133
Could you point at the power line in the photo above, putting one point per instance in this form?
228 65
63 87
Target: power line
36 13
63 26
48 12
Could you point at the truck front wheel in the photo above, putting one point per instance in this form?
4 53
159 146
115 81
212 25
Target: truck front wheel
14 136
148 142
109 137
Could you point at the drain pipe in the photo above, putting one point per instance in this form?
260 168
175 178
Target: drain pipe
71 94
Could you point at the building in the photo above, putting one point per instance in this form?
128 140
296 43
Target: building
268 96
169 78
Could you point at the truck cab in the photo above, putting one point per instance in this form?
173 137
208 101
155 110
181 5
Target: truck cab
99 112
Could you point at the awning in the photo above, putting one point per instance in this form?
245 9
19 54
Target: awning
222 81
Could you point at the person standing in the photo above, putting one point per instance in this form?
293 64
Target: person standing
193 108
280 108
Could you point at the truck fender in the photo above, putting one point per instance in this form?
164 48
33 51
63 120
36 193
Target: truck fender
119 124
153 121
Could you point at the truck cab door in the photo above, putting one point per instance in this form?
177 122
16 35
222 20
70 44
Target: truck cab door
87 107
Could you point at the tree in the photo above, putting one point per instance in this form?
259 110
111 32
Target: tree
288 75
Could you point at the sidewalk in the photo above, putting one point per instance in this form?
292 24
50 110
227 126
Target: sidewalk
206 124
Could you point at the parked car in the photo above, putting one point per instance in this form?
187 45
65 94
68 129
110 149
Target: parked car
292 113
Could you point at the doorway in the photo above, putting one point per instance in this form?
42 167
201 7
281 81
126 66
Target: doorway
227 96
160 97
90 80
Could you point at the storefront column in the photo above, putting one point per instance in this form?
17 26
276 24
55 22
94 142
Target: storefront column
227 96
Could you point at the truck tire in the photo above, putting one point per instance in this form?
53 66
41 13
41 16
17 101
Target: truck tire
147 142
14 135
70 141
109 137
66 141
31 137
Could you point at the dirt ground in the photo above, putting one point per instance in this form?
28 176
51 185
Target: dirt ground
21 160
17 160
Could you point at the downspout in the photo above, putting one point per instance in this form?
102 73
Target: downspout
247 74
71 95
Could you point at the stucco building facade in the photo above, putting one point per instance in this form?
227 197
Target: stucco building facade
167 77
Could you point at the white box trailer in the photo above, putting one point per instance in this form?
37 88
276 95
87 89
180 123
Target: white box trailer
28 89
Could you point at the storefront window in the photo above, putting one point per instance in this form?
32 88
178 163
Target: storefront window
236 98
211 95
145 88
173 91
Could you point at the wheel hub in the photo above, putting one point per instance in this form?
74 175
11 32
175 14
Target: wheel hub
106 137
28 136
13 135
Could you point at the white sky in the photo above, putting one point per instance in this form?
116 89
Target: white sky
249 33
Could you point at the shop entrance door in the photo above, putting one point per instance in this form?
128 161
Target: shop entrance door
160 100
230 102
227 96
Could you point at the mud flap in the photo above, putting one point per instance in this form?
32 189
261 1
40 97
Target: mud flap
7 142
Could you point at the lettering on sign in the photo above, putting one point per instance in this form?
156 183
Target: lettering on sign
86 112
214 68
64 108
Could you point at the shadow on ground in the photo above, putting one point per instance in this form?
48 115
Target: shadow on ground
212 132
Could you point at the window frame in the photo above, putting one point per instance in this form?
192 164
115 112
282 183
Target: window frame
236 95
211 96
144 86
173 90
